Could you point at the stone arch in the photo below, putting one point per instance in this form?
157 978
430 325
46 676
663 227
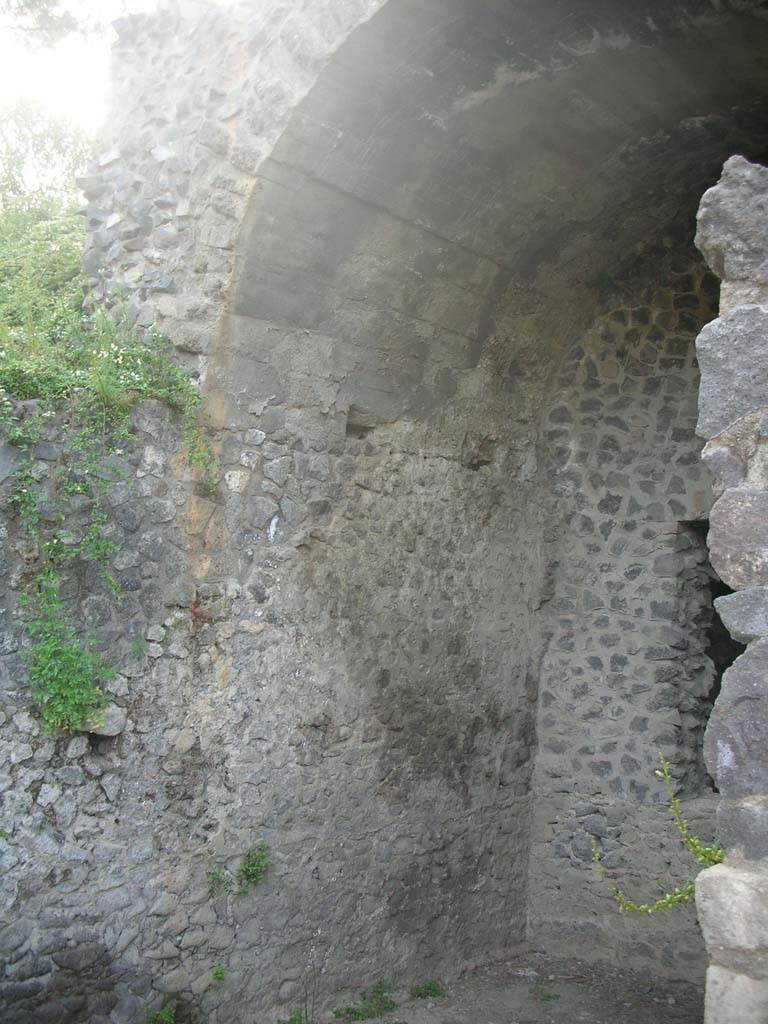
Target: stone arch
449 239
403 244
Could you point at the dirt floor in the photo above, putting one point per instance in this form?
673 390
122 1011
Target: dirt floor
536 989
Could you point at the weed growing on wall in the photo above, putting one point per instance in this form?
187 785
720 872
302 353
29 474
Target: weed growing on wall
250 871
297 1017
219 880
372 1004
139 648
167 1015
65 674
252 868
428 990
71 378
541 994
706 854
103 366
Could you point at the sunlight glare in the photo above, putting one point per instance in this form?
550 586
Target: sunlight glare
69 79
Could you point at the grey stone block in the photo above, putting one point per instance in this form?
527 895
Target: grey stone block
742 826
734 998
738 538
734 746
724 464
731 222
114 722
732 903
733 359
745 613
262 511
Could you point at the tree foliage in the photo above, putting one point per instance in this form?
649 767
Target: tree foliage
44 20
47 22
40 155
41 235
40 279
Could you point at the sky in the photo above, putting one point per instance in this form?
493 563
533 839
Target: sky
70 79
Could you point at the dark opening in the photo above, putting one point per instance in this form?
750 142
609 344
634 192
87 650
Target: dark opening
722 650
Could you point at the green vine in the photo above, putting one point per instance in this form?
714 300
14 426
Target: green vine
706 854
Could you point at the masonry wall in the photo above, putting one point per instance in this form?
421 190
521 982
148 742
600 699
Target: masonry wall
387 284
624 673
731 897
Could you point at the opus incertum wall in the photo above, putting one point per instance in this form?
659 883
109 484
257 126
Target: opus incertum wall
432 262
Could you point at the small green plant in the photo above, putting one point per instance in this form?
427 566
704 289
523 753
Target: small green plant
540 993
252 868
706 854
297 1017
429 990
219 879
26 497
167 1015
372 1004
218 973
64 673
198 447
139 648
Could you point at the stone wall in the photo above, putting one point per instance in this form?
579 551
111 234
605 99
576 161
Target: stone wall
731 898
201 95
396 272
624 675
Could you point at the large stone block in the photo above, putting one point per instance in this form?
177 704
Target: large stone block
724 464
735 998
732 903
731 231
745 613
733 359
111 723
742 826
734 743
738 538
730 228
